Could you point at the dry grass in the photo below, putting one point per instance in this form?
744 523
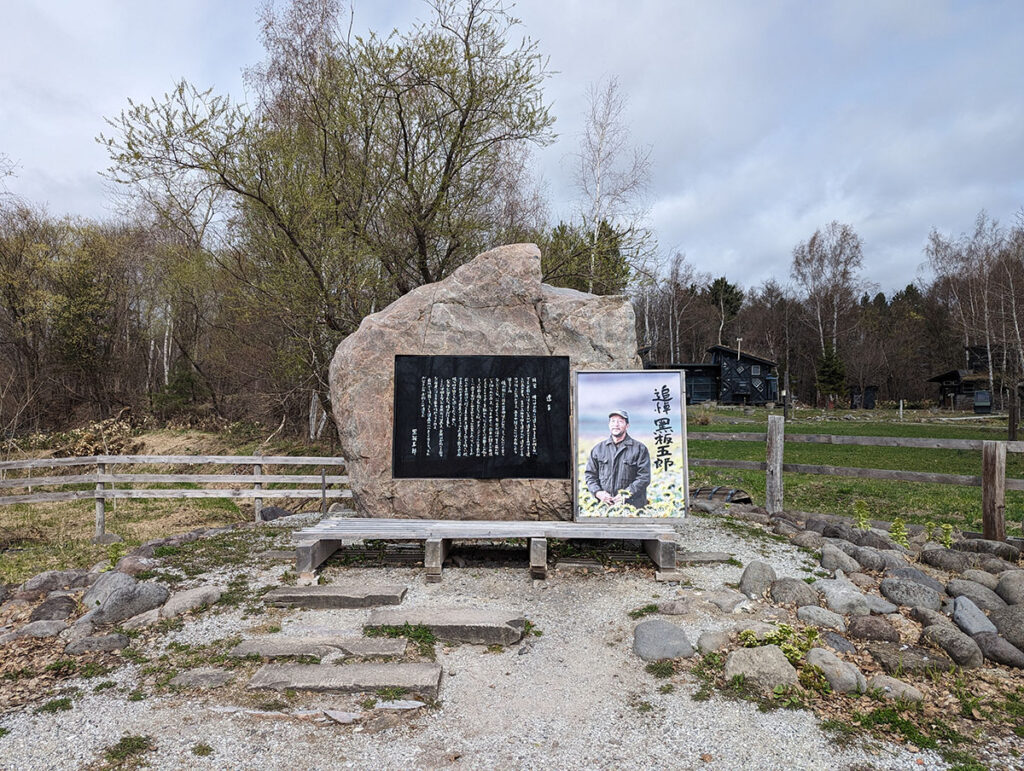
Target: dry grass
47 536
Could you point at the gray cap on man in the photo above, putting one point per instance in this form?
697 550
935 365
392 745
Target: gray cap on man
621 413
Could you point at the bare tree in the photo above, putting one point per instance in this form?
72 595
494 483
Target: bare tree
612 177
827 267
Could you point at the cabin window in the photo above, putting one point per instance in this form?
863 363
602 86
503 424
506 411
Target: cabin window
755 369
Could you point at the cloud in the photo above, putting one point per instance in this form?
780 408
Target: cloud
765 120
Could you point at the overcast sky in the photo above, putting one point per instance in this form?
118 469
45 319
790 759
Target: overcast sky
766 119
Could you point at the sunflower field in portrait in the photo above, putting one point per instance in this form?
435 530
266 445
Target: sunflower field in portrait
666 494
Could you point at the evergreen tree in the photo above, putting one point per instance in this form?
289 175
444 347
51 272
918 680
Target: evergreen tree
831 374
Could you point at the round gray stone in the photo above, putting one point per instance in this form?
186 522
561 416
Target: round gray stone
893 689
872 628
54 608
958 646
764 668
713 640
841 675
999 650
877 605
920 576
949 560
657 639
1009 622
792 591
815 615
838 643
107 642
982 577
903 591
1011 587
130 601
970 618
835 559
41 629
980 595
106 585
757 578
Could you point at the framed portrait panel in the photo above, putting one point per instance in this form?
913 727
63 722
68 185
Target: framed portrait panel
629 445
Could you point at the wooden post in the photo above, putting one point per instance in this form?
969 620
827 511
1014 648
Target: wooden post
539 558
257 503
993 490
1014 417
323 491
785 397
101 503
773 474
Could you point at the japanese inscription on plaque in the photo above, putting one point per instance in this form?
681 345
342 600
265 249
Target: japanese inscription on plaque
481 417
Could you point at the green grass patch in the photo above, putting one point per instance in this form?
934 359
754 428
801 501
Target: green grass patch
645 610
54 705
129 750
662 669
202 750
918 503
421 636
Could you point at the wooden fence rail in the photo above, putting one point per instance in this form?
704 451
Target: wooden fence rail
993 480
253 483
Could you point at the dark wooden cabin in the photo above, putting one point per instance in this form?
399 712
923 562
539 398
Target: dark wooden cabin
730 378
743 377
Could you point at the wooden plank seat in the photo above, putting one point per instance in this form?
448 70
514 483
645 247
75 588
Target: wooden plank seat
320 541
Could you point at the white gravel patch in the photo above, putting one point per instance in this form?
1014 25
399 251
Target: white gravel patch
578 698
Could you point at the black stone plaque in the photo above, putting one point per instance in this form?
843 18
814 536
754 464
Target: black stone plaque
481 417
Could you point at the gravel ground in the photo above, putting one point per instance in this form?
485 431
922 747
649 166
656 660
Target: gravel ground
576 698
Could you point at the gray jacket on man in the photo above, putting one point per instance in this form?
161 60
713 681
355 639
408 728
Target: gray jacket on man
623 466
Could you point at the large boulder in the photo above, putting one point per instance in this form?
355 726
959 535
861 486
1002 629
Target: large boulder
493 305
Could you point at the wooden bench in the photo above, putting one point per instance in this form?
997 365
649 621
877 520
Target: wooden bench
319 542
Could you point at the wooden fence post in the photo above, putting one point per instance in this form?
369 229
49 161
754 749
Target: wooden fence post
773 474
1013 419
101 503
993 490
257 503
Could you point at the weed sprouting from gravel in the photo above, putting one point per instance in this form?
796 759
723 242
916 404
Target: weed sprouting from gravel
645 610
419 634
54 705
202 749
661 669
128 750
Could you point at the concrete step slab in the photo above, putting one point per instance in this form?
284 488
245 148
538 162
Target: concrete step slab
421 678
335 596
277 646
465 625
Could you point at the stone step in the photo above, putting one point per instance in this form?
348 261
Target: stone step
465 625
276 646
335 596
423 679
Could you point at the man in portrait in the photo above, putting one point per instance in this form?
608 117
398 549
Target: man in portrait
619 463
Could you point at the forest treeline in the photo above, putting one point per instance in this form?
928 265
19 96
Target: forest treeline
254 237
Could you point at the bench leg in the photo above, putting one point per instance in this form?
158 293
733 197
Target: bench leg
435 552
662 552
539 558
309 556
